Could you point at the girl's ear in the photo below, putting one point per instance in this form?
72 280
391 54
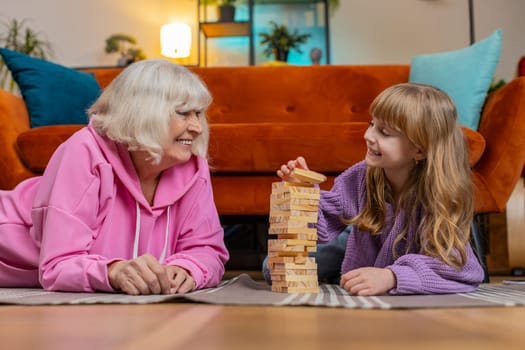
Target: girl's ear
420 155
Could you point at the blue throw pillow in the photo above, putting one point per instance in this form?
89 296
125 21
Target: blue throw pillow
53 94
464 74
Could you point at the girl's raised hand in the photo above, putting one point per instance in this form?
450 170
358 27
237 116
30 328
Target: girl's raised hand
284 171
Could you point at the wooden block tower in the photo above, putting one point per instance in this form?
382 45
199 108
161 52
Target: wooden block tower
293 213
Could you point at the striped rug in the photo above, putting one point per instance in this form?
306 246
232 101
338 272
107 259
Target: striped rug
242 290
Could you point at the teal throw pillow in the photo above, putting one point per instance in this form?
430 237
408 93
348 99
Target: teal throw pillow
53 94
465 75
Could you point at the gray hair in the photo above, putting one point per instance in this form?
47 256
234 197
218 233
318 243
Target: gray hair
136 107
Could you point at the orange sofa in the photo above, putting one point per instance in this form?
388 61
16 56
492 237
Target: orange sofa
263 116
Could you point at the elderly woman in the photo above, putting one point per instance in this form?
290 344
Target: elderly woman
126 203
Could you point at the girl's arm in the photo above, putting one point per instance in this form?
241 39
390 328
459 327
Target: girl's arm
421 274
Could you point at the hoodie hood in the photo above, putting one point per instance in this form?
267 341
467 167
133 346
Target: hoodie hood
174 182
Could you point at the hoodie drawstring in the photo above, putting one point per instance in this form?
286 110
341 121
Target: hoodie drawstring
137 235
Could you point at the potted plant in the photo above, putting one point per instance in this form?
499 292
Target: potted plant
280 41
121 43
19 37
225 9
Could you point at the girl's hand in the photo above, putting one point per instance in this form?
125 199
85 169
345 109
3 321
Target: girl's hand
284 171
368 281
145 275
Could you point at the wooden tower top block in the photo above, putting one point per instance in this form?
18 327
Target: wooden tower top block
308 176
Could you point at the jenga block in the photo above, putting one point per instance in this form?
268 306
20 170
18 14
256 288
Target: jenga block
275 270
290 260
284 186
293 267
292 284
308 176
302 236
290 224
292 206
303 219
307 279
281 289
275 244
295 280
302 193
302 254
273 230
294 214
277 200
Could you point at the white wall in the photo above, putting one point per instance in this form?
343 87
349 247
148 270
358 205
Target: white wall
362 31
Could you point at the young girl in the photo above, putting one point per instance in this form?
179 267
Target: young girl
409 202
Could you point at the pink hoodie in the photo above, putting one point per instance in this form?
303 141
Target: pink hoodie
62 230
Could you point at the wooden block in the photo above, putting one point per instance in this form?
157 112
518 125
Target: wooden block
294 267
298 250
283 289
313 215
292 284
294 219
273 230
302 187
302 236
284 275
276 244
292 206
310 194
281 254
305 280
290 224
308 176
274 200
283 184
291 260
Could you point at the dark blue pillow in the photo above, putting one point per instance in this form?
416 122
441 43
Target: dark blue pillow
53 94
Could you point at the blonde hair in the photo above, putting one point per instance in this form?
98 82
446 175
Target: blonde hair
136 107
441 184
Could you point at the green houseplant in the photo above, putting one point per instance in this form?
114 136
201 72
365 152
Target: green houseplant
280 40
16 35
121 43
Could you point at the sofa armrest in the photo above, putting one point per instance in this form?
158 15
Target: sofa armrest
503 127
14 119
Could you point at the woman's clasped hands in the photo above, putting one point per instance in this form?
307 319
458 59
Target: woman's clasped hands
146 275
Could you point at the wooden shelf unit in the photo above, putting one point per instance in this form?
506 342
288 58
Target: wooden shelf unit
245 28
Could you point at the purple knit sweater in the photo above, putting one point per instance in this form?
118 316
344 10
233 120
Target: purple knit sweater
415 273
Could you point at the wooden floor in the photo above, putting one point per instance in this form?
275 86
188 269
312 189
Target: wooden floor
196 326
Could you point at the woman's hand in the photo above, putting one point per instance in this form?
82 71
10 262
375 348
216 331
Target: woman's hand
284 171
368 281
180 280
145 275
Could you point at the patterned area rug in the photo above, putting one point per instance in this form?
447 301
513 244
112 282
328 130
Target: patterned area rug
243 290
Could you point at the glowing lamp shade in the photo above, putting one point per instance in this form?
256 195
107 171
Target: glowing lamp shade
175 40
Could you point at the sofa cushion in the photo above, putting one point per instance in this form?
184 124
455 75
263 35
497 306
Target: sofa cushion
464 74
324 152
54 94
37 145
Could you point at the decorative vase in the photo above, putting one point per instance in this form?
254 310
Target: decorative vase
226 13
280 55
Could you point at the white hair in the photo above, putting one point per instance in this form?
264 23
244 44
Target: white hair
136 107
